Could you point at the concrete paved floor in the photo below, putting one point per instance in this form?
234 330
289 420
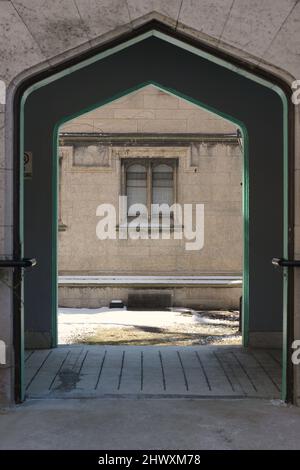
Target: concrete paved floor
147 371
88 402
119 423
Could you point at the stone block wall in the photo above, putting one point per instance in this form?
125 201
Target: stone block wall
198 298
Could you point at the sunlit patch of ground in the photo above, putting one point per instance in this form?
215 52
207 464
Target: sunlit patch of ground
179 327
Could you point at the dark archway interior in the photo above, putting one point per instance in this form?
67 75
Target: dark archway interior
219 88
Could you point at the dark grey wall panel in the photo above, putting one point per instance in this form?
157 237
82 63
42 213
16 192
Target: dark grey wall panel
156 60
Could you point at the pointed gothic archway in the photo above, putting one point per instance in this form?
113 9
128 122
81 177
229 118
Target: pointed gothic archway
186 70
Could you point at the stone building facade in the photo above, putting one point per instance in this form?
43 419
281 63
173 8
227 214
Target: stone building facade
203 154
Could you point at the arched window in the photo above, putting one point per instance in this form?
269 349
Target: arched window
136 185
162 184
149 182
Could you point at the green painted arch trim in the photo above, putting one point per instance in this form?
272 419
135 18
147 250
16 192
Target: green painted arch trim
165 37
239 70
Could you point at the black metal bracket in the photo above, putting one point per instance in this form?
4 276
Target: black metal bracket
289 263
18 263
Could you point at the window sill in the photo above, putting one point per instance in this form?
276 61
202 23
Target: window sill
150 227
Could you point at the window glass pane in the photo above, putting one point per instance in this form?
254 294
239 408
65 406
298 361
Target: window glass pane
136 186
162 184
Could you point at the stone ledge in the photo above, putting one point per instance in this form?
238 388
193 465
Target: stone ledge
153 281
